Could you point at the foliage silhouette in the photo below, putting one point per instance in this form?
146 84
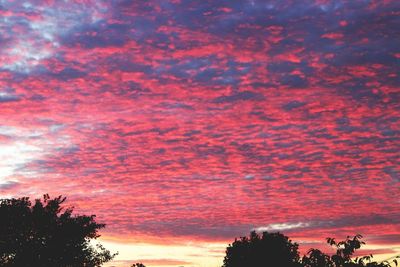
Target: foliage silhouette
268 249
44 234
343 256
275 249
138 265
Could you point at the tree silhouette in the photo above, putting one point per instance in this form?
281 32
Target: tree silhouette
343 256
268 249
45 234
138 265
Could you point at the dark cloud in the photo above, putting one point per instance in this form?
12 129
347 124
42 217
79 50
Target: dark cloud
293 105
9 185
8 98
244 95
68 74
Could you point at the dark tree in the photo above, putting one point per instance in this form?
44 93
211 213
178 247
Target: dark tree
267 249
44 234
343 256
138 265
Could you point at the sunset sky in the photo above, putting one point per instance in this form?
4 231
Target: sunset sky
184 124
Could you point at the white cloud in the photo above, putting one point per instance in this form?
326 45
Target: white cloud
14 156
24 146
281 226
39 37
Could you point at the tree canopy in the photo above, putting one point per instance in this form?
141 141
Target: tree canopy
44 234
273 249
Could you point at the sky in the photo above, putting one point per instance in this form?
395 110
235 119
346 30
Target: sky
184 124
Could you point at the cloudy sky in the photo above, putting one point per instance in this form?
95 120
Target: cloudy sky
183 124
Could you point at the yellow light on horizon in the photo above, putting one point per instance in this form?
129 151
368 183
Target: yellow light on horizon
202 254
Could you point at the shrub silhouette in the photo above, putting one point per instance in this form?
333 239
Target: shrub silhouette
275 249
138 265
44 234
